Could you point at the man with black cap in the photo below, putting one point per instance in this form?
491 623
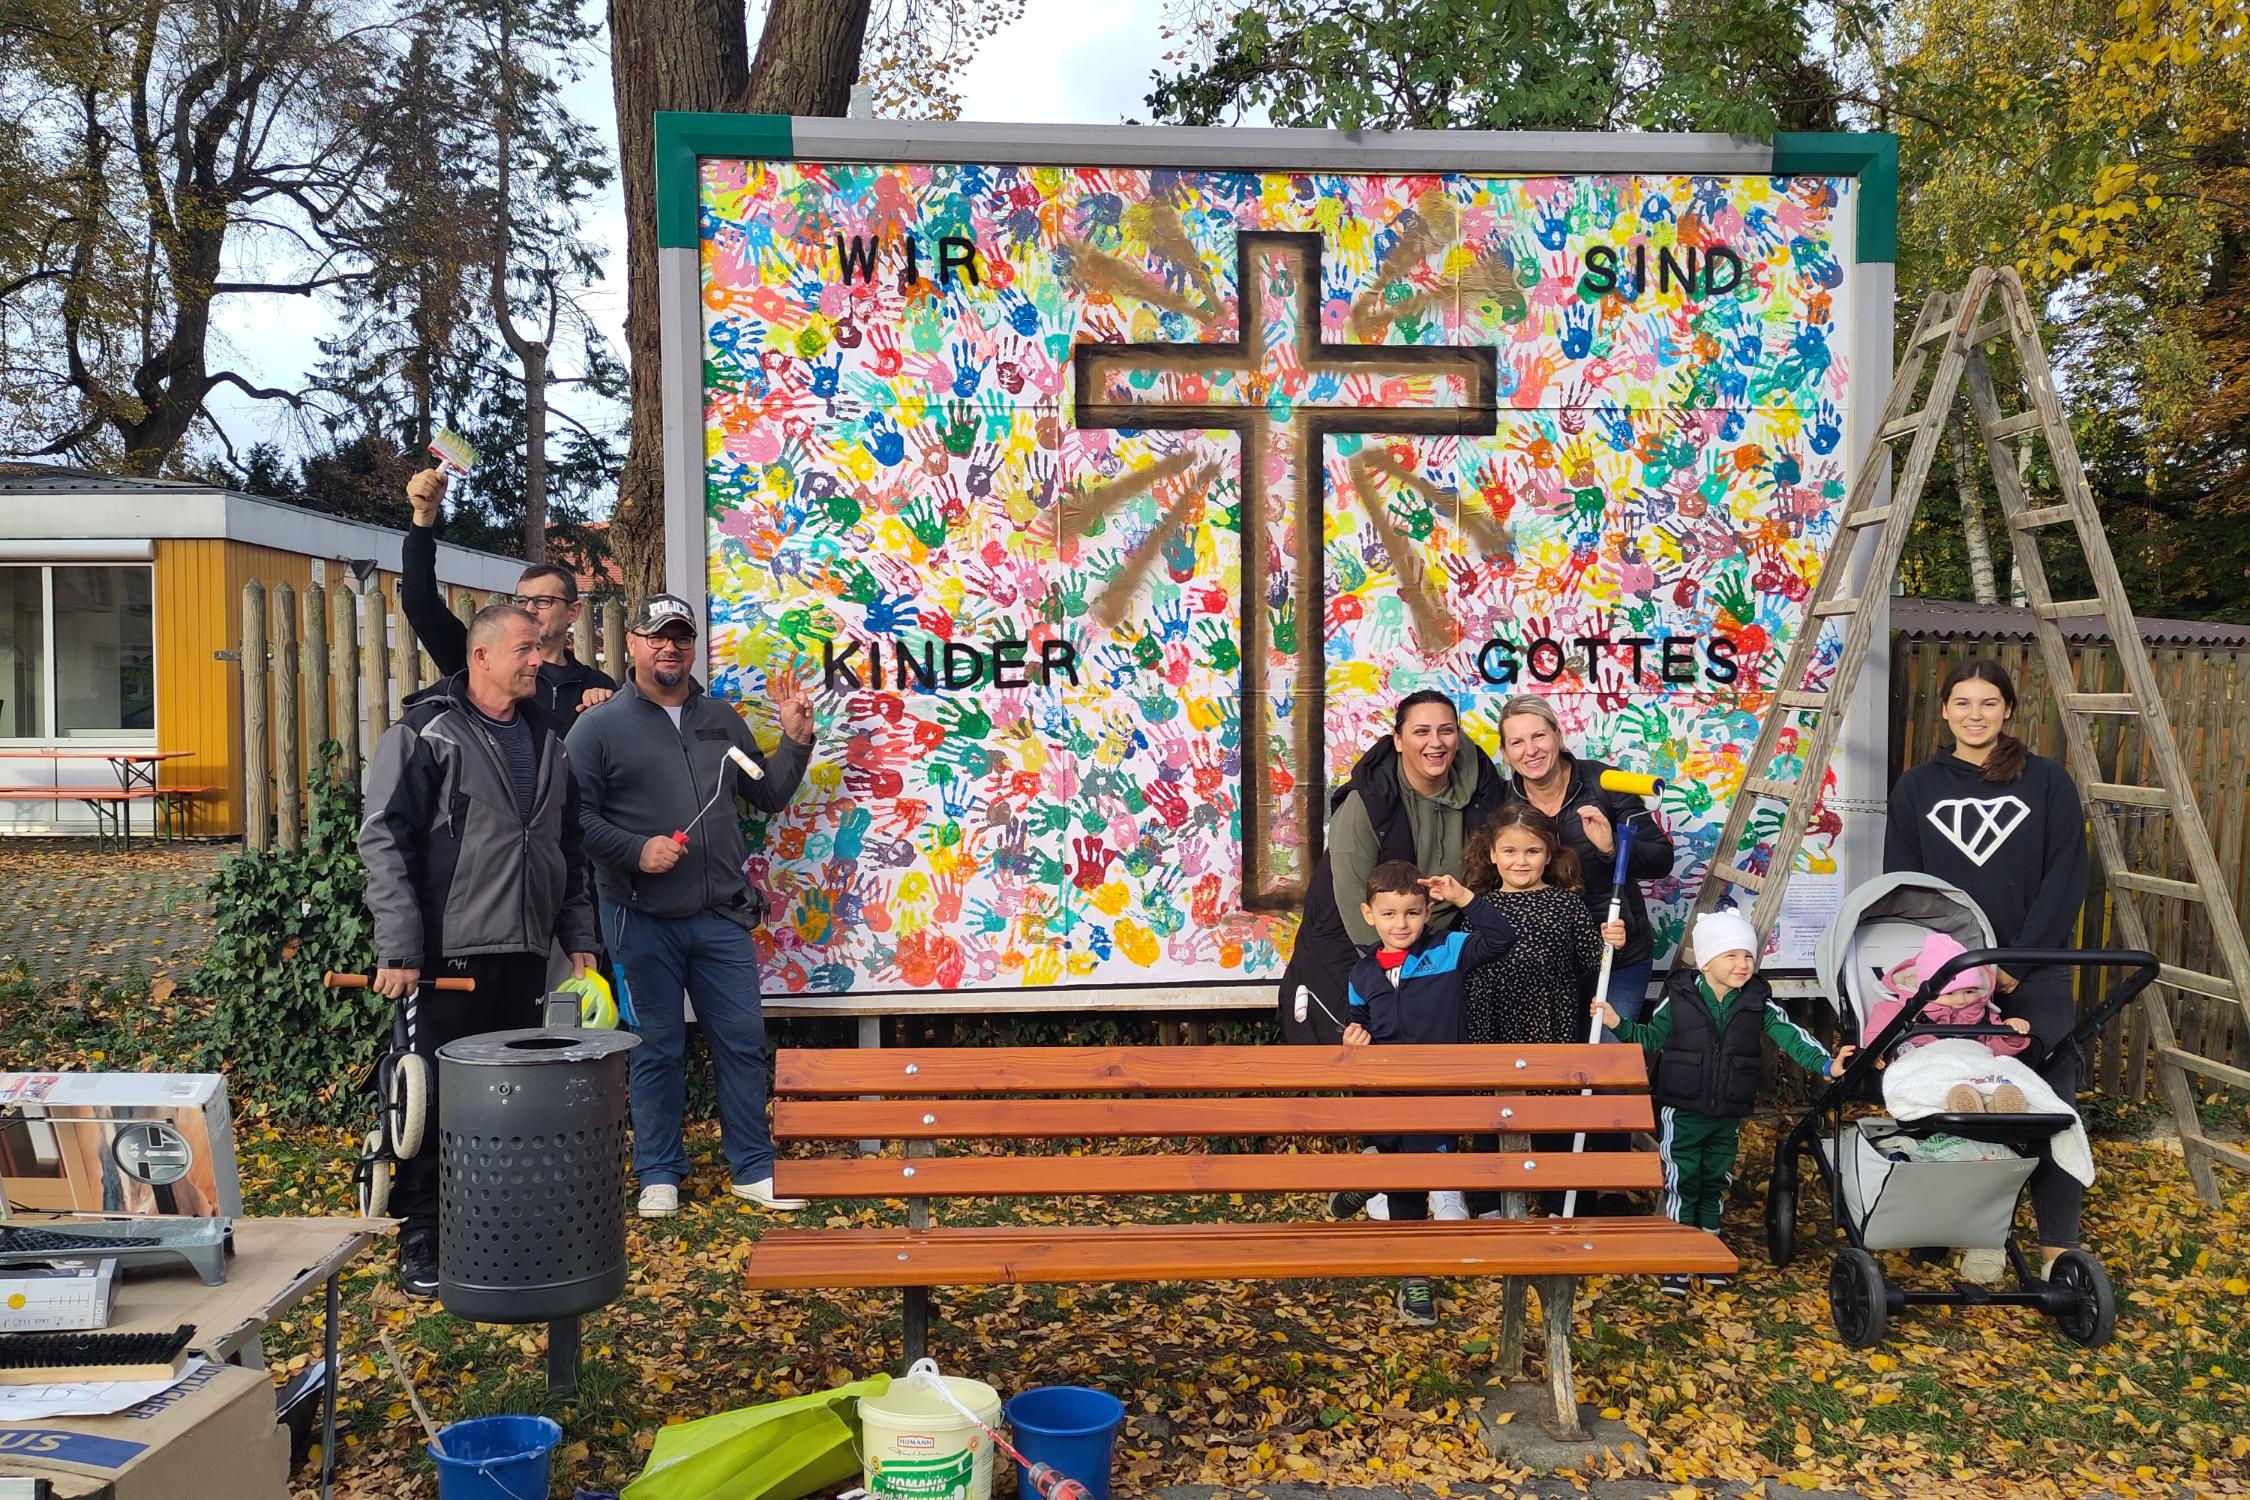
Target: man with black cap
656 793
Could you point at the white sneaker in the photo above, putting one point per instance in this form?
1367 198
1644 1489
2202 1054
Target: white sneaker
660 1200
1379 1207
1984 1267
1447 1204
761 1193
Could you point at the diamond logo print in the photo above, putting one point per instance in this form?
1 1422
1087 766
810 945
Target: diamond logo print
1979 828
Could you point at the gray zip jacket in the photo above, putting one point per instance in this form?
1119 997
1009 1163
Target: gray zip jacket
639 778
453 867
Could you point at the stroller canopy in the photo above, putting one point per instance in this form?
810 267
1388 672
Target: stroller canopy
1883 923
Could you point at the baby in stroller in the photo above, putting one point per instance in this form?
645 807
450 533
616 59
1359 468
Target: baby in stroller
1965 1000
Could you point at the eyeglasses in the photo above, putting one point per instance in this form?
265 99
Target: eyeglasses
676 642
539 601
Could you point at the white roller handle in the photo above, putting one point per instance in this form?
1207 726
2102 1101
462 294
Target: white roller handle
750 768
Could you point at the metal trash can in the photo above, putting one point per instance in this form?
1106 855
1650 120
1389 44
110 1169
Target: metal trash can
531 1209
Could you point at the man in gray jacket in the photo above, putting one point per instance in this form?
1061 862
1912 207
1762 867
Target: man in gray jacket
658 790
471 841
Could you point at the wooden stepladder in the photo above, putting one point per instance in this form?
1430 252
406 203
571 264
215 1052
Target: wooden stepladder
1947 348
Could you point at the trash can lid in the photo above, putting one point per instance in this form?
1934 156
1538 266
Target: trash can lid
535 1045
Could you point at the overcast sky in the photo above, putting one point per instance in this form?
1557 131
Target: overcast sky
1070 61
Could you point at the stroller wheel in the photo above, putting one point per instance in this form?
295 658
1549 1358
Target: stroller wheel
1781 1225
374 1177
402 1085
2079 1297
1857 1298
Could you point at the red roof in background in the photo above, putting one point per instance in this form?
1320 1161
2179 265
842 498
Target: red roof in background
605 580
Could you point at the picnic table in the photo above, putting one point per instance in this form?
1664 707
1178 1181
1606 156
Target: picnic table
135 769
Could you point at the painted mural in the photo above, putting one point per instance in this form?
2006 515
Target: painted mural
1106 512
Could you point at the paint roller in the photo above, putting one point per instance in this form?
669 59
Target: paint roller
1632 784
1306 999
743 763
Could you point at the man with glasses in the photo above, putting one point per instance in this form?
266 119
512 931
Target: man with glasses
547 592
656 797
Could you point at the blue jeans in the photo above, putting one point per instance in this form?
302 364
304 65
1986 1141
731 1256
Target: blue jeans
1628 992
662 960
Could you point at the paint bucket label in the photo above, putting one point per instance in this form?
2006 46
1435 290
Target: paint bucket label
946 1478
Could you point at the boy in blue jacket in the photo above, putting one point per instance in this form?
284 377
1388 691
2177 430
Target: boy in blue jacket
1411 990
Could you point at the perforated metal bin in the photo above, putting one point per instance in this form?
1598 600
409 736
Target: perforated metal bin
532 1174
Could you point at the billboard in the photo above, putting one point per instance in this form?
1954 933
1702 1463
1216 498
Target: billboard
1108 487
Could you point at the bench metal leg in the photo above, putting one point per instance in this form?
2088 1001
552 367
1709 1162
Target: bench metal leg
562 1357
870 1039
914 1323
1556 1294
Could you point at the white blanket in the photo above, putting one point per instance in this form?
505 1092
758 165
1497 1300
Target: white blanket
1915 1085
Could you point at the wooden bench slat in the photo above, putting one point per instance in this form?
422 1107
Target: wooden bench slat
74 794
1048 1119
1071 1176
1016 1255
915 1072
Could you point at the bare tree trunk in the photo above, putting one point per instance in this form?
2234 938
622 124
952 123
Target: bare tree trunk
531 353
2015 568
535 453
695 55
1968 458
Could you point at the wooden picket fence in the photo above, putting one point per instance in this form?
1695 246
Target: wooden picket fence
337 664
2206 692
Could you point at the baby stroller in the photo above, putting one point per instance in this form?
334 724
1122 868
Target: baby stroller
1883 1197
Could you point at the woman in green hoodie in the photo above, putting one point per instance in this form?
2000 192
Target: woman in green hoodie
1415 795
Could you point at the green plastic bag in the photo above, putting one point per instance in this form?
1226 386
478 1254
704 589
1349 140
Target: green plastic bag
781 1450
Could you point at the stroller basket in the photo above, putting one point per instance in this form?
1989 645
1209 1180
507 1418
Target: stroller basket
1903 1205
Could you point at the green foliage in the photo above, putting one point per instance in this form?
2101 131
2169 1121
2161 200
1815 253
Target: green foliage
289 1044
1746 67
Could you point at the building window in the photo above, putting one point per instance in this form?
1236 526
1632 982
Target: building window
77 652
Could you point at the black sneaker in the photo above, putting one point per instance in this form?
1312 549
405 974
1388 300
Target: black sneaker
1675 1286
1713 1283
417 1262
1415 1304
1347 1205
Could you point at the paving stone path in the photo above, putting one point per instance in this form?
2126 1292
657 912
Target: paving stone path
72 914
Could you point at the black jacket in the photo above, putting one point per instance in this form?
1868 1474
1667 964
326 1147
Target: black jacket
562 685
1709 1065
639 778
1651 858
454 869
1325 953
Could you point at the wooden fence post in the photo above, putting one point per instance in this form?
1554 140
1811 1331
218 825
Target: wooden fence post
343 652
613 640
582 636
255 832
289 823
316 672
406 660
376 659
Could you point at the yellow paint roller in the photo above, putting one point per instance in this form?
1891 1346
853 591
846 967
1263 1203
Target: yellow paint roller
1632 783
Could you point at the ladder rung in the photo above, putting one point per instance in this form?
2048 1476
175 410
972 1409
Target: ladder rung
1797 698
2128 796
1836 607
2101 703
2015 426
2190 980
2044 515
1780 791
1873 516
2205 1067
1985 333
1891 432
2070 609
1748 880
2219 1150
1938 333
2157 885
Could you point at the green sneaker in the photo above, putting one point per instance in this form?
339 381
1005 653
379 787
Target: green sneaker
1415 1304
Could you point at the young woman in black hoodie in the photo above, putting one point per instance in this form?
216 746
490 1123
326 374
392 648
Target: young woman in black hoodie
2006 827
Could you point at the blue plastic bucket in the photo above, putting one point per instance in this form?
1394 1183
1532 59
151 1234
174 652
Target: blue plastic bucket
496 1458
1069 1428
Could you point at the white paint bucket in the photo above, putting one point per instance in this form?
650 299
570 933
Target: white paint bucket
914 1446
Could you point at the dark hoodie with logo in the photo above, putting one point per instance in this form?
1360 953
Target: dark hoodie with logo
1375 817
2017 848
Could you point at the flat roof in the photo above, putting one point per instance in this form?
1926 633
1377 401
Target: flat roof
48 511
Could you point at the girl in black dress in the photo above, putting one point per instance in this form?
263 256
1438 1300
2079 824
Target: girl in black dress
1537 991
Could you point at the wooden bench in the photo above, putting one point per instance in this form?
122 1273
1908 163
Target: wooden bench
920 1097
108 804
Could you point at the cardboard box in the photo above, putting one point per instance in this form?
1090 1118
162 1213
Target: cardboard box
213 1434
